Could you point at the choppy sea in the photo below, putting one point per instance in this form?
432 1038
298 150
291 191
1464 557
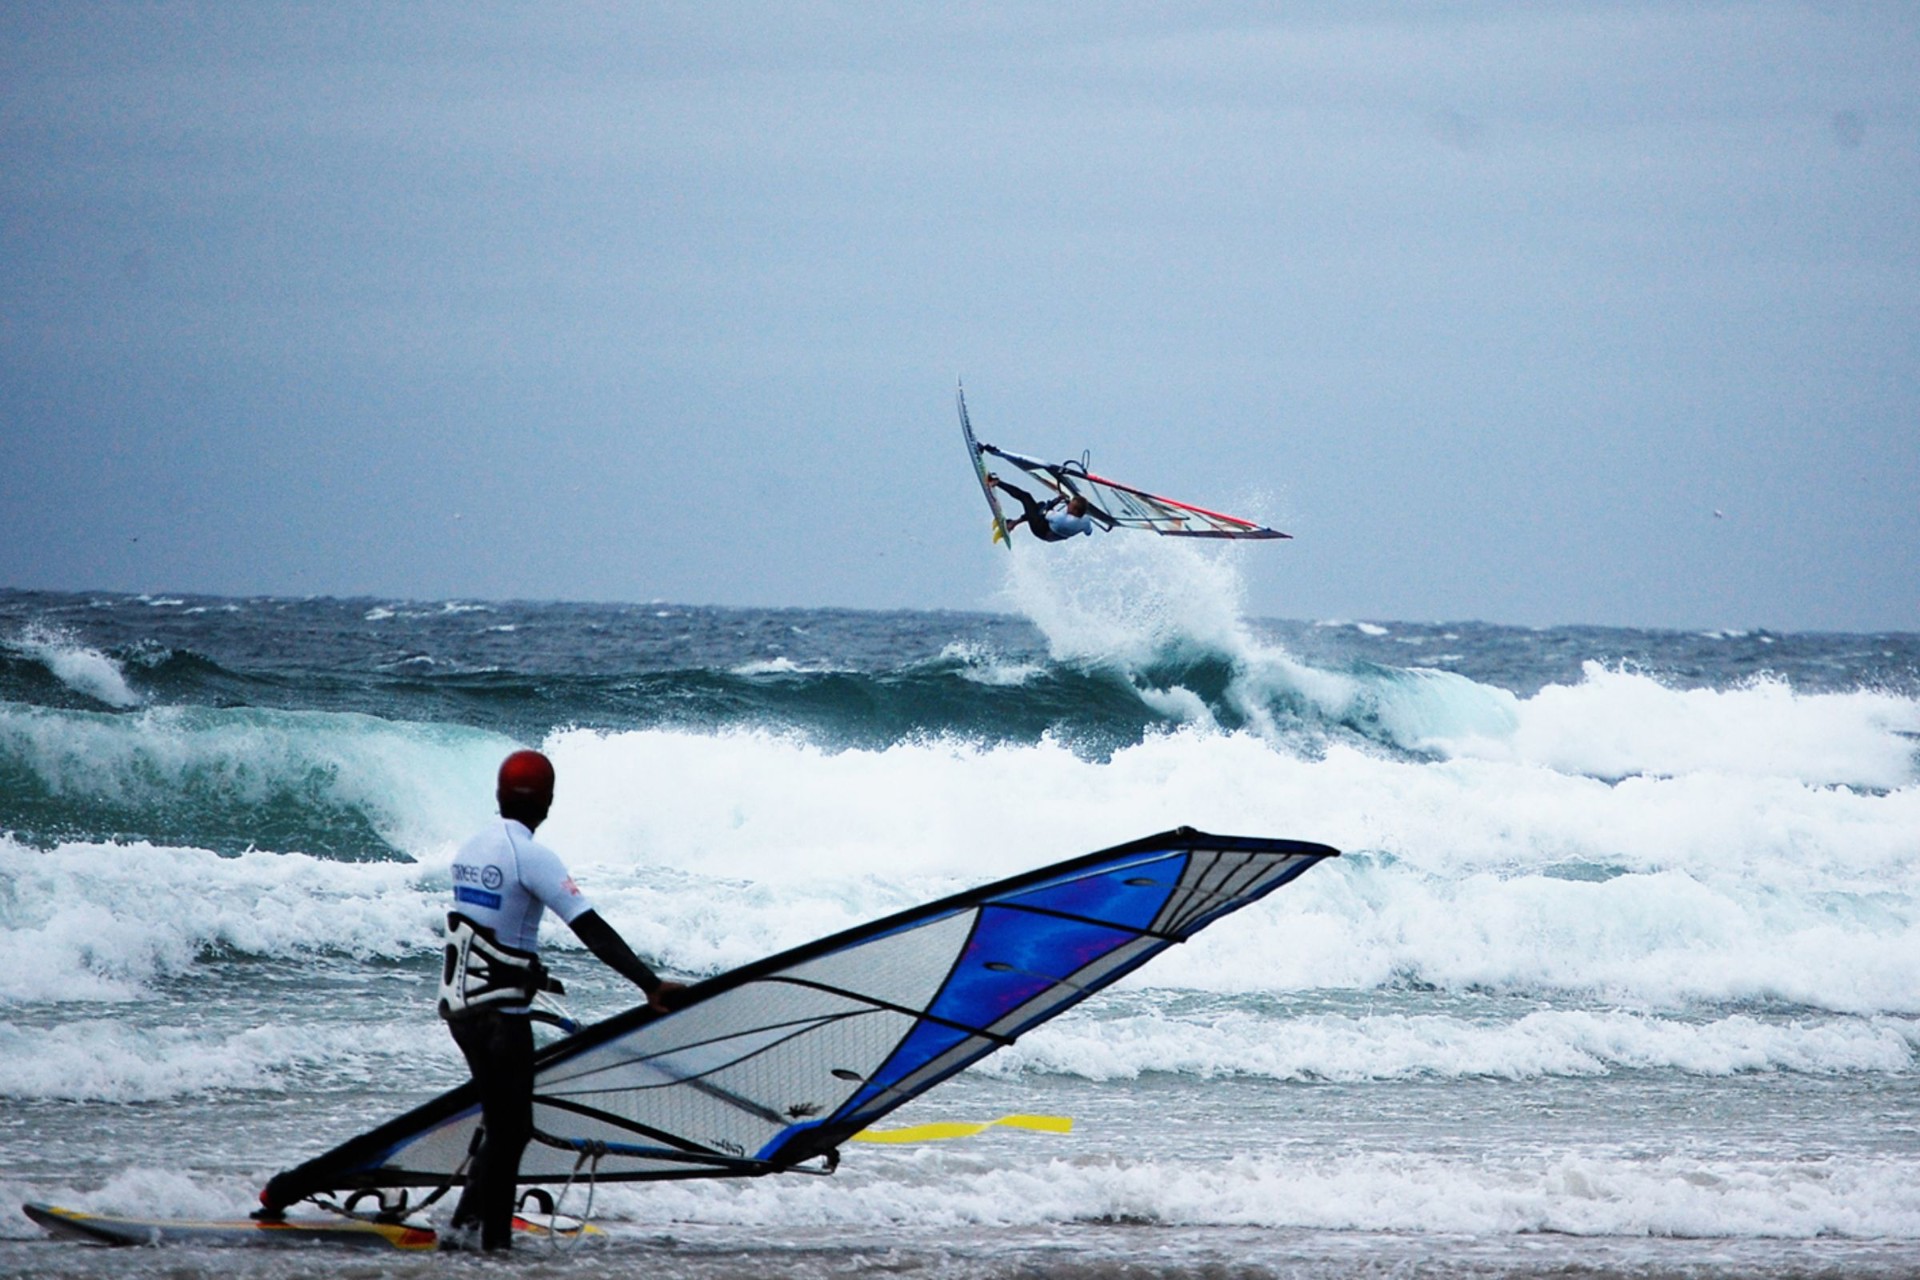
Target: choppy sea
1619 974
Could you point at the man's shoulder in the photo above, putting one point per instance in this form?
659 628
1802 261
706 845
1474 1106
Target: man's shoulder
532 855
503 840
479 844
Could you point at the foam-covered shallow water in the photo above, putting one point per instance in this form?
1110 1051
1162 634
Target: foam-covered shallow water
1619 975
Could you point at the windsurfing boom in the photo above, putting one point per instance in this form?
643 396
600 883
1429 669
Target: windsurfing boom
771 1067
1112 504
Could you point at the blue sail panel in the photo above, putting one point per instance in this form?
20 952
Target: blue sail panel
1129 896
1015 955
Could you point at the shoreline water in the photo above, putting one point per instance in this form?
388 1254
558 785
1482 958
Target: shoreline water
1618 976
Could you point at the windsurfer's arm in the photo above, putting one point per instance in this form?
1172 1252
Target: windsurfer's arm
612 950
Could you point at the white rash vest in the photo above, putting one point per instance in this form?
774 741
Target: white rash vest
503 878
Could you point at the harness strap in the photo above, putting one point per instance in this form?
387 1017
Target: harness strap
481 971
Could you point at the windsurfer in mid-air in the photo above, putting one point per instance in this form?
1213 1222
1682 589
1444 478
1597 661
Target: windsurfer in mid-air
1056 521
503 881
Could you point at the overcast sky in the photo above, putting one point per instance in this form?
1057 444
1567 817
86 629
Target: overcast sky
1493 306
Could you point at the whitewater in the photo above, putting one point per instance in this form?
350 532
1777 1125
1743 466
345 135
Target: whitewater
1619 972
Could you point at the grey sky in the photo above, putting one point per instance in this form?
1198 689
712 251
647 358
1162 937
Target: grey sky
1492 306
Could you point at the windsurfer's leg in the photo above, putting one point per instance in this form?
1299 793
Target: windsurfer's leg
499 1051
1031 515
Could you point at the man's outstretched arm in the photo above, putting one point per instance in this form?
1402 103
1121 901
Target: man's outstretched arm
613 951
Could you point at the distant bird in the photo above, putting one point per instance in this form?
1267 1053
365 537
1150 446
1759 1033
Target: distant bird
1718 514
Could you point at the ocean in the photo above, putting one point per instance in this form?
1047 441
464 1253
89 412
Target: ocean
1619 974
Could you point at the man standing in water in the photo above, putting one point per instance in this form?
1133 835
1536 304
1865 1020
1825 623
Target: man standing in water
503 881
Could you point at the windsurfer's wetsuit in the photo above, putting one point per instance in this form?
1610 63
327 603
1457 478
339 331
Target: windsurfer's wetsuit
503 881
1047 525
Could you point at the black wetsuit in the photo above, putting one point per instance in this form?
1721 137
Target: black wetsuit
1036 515
499 1051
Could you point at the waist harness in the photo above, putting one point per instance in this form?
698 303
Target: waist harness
482 972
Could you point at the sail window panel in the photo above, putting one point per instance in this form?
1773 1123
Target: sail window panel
741 1105
1221 881
903 968
439 1149
703 1037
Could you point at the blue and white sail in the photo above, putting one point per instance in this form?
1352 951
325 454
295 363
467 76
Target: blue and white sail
772 1066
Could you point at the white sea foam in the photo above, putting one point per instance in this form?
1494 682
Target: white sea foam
913 1194
84 670
982 666
1470 871
768 667
727 846
1585 1194
783 666
100 921
1131 602
1617 723
103 922
114 1061
1546 1042
714 849
140 1190
1139 605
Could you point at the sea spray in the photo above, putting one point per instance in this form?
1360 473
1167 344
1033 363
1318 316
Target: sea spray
84 670
1170 617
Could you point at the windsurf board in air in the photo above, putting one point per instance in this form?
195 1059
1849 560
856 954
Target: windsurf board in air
365 1233
980 473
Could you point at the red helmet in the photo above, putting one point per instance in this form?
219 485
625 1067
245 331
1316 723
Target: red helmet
526 776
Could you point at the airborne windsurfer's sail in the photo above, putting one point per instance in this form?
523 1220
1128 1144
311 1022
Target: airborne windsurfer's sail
1109 503
771 1067
1122 506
